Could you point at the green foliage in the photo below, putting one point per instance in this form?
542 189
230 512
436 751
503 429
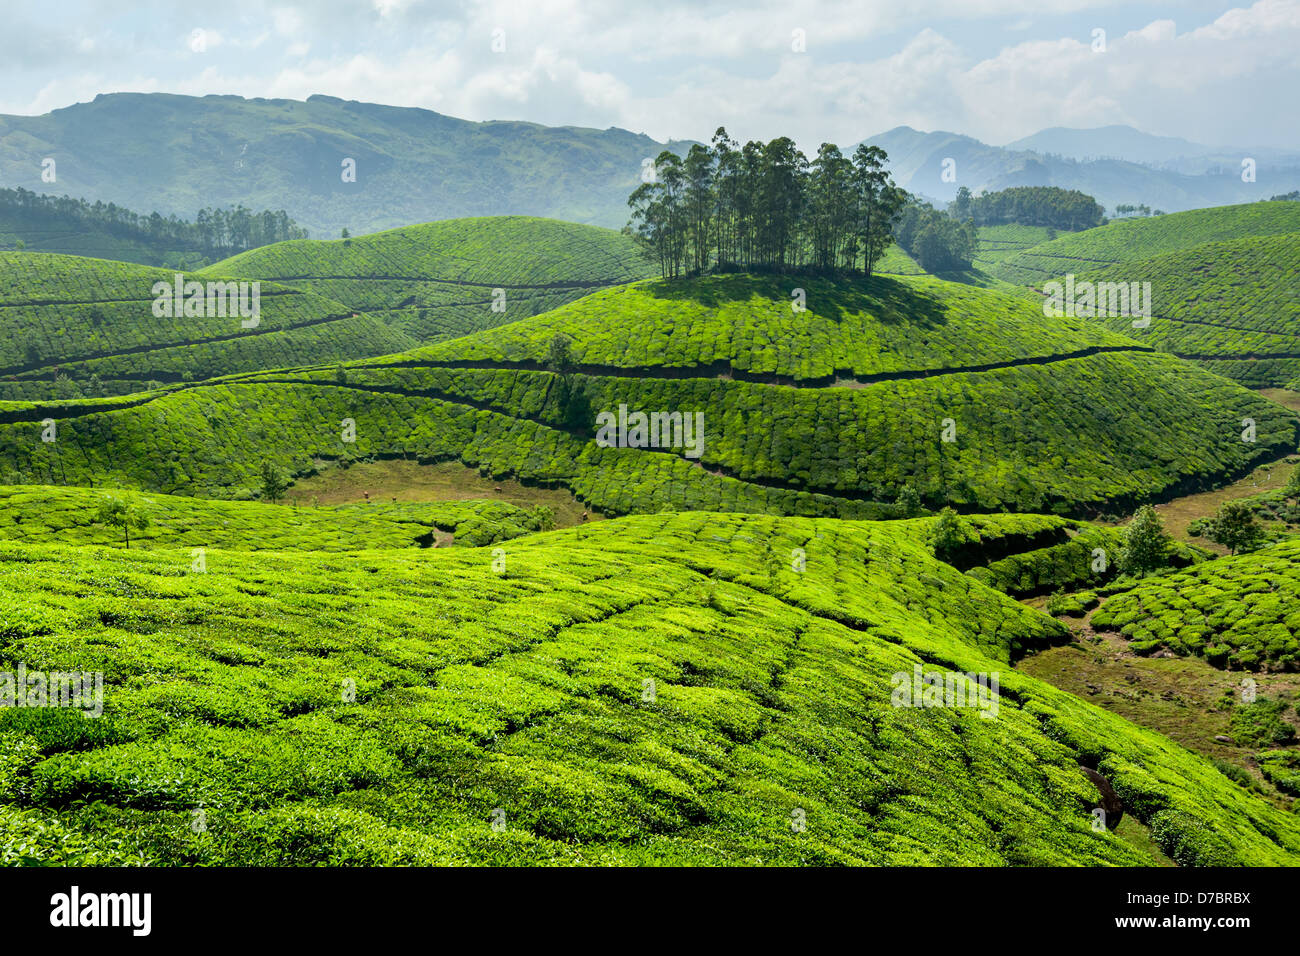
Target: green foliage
1046 206
1236 527
1260 724
1240 612
274 481
39 515
107 231
1231 305
1072 605
1132 240
950 536
1282 769
525 693
1146 544
93 320
126 515
439 279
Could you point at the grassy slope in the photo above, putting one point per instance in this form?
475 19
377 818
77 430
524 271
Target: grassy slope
46 515
1239 612
1233 306
860 328
525 693
1130 240
94 317
768 448
437 279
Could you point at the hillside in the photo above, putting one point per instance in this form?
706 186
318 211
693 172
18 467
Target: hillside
93 321
655 690
1241 612
827 412
412 165
42 514
438 279
1232 307
1130 240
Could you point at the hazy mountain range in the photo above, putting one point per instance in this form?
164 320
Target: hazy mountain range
1114 164
176 154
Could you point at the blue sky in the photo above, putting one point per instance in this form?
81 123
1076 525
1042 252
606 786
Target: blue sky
995 69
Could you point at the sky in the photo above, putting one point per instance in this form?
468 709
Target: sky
815 70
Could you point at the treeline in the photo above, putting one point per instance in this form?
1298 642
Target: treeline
937 241
216 233
766 207
1051 206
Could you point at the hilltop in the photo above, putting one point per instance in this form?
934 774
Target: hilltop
439 279
656 690
826 423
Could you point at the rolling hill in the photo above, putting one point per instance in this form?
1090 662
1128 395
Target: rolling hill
827 412
438 279
1131 240
40 513
1232 306
654 690
92 321
1241 612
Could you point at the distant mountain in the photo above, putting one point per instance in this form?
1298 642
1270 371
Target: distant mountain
176 154
1134 146
917 160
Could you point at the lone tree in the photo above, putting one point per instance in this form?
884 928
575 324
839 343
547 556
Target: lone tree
1235 527
122 514
950 535
274 481
1146 543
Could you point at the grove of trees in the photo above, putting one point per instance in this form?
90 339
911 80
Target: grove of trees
766 207
1051 206
216 233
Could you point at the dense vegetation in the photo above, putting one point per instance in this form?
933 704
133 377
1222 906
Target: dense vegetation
452 277
77 327
939 243
1126 241
44 223
1237 612
663 689
1013 419
765 206
1048 206
1232 306
41 514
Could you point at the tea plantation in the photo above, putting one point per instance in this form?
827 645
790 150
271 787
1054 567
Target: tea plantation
1131 240
1236 612
92 321
439 279
40 513
1028 427
1232 307
658 689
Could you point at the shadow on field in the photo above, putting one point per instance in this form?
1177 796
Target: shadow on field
884 298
